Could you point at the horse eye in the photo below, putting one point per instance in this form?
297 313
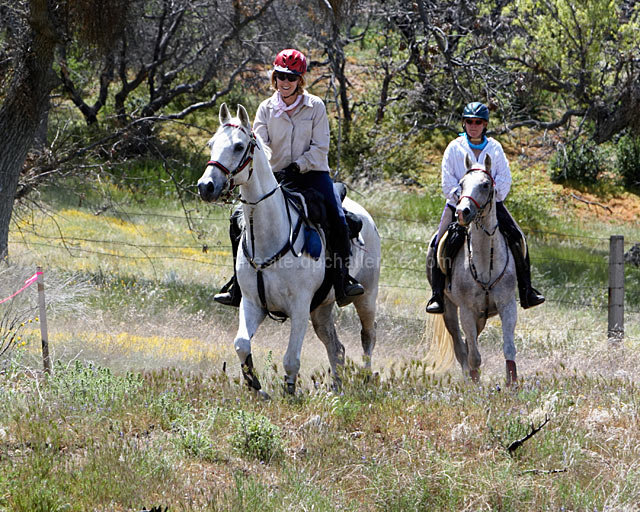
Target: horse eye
238 146
485 185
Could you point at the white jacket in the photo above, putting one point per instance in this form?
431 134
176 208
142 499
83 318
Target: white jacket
453 168
302 138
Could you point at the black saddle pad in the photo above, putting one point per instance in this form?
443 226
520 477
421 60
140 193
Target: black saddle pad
456 235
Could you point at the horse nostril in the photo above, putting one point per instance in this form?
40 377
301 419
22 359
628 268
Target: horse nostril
206 189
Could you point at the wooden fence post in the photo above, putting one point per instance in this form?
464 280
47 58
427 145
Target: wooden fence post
616 288
46 361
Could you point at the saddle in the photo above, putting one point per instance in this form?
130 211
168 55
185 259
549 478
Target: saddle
309 204
316 217
454 238
316 212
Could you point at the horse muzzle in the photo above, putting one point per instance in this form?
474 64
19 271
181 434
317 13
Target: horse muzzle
208 190
465 214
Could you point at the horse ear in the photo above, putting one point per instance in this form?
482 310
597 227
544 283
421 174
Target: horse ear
467 162
244 117
487 163
224 114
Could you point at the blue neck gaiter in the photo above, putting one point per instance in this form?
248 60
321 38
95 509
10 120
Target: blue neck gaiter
480 146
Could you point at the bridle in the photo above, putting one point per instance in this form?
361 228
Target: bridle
490 198
249 236
247 157
486 286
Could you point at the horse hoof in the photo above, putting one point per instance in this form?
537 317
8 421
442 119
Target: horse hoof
290 388
475 375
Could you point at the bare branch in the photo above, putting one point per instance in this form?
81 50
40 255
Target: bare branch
534 430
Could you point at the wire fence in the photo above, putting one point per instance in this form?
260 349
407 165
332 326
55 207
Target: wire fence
77 246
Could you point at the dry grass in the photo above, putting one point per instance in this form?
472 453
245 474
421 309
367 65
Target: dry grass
139 411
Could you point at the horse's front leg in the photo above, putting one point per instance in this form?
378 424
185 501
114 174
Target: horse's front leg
459 345
299 323
508 316
251 316
469 326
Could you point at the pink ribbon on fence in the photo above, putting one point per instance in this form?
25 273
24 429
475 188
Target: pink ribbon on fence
27 283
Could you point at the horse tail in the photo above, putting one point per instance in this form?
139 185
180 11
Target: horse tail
440 355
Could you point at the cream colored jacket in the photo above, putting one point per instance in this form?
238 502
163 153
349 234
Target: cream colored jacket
302 138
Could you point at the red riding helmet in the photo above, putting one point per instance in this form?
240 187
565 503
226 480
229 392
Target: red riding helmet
291 61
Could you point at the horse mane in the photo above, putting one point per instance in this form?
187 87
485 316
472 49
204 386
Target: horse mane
263 148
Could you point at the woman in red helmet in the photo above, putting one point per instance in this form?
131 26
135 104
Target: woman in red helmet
295 126
474 142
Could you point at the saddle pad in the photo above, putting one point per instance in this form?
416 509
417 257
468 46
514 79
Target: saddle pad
449 245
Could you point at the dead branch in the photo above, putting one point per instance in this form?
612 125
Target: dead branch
544 471
577 197
517 444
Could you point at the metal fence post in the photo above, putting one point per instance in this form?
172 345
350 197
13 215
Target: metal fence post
616 288
43 323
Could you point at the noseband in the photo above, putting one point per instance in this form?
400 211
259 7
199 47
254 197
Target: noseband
481 208
247 157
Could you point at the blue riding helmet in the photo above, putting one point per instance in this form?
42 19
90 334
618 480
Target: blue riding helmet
476 109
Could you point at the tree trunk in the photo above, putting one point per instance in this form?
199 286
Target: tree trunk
23 107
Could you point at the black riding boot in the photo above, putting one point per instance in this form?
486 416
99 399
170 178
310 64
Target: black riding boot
230 293
345 286
436 302
529 296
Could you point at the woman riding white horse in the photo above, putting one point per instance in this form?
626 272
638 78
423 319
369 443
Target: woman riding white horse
474 143
273 272
481 277
295 127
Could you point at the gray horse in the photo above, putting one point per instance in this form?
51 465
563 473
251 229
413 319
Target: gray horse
481 282
274 273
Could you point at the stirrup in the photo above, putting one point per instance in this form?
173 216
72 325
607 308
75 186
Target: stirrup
351 291
531 298
229 295
353 288
435 305
224 298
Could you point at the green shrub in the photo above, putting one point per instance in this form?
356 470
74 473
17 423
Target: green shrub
92 386
580 161
628 160
256 437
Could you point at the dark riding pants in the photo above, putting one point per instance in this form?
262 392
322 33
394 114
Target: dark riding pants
321 182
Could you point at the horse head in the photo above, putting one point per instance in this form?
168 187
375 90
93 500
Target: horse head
232 148
477 191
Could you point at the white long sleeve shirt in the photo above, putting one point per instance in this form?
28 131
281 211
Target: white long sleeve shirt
302 138
453 168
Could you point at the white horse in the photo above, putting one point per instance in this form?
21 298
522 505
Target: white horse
483 279
273 273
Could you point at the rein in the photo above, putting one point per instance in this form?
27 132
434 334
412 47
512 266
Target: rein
259 267
486 286
247 157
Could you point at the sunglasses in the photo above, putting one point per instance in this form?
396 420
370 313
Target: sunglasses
289 77
474 121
